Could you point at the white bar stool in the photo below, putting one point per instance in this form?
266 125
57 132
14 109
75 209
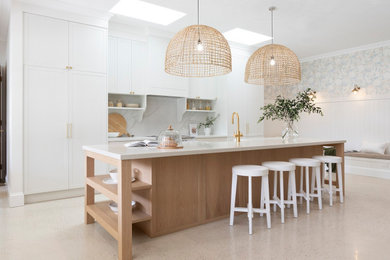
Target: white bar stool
306 163
251 171
281 167
330 160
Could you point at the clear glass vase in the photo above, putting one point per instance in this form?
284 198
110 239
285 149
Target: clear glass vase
290 132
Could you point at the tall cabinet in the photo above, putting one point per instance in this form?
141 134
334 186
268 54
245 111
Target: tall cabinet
64 100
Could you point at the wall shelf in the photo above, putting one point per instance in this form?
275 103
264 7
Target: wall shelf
128 99
182 104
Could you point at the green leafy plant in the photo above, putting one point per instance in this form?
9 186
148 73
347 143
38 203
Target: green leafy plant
209 122
289 110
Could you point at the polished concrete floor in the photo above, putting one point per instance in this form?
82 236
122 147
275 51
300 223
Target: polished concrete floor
357 229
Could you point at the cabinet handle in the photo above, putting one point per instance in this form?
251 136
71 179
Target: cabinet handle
132 93
70 131
70 67
67 67
67 131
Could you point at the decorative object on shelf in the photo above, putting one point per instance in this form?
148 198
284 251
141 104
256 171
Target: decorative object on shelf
198 51
119 104
355 89
273 64
132 105
113 134
170 139
208 124
289 110
110 103
208 106
193 130
117 123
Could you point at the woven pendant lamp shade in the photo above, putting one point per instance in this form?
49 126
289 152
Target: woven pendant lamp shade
184 59
285 72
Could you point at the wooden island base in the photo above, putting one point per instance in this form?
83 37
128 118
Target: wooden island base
175 193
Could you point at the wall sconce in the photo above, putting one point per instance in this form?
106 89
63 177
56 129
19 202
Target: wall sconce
312 94
355 89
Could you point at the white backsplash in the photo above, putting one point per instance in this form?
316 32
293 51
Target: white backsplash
160 113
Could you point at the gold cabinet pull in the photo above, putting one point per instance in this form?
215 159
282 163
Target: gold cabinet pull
67 130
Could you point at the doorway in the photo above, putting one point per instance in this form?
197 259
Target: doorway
3 125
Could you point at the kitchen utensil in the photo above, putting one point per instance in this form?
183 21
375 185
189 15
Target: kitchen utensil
117 123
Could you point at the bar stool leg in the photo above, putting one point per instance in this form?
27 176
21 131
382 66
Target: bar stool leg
307 197
301 186
275 188
330 184
319 193
281 196
250 206
313 180
323 177
340 179
233 198
289 197
294 193
262 196
266 195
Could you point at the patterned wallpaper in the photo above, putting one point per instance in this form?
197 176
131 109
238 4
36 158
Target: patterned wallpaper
334 77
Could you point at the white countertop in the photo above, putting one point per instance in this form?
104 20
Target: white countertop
119 151
141 138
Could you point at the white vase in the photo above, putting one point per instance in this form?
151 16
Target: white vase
207 131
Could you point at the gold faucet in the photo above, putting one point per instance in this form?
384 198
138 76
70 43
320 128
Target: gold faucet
237 134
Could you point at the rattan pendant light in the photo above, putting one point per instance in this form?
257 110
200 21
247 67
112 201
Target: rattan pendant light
273 64
198 51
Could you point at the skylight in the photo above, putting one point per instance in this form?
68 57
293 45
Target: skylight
245 37
146 12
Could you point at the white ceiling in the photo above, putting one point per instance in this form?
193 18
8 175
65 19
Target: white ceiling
308 27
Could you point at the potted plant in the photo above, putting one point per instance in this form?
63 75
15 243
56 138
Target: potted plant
208 124
289 110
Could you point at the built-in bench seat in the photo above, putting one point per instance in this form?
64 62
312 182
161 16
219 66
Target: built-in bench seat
368 155
368 164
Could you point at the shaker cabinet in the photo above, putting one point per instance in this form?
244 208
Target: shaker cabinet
204 88
65 104
160 82
127 66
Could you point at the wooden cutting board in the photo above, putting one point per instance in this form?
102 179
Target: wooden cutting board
117 123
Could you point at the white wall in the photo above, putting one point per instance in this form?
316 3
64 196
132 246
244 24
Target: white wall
364 116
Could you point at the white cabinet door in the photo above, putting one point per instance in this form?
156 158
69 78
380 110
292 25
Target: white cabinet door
88 105
205 88
124 66
112 70
162 83
139 68
45 129
45 41
87 48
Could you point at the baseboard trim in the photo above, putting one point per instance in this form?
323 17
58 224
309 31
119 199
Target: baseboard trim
16 199
55 195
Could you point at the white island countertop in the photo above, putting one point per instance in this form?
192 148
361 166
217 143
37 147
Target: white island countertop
119 151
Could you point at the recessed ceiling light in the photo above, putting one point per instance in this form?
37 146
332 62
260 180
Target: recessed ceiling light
146 12
245 37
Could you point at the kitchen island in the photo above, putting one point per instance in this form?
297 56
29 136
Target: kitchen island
178 189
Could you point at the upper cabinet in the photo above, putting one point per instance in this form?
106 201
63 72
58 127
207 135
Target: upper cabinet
160 82
48 41
55 43
127 66
87 48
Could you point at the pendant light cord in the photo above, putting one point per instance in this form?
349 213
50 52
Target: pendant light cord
198 21
272 24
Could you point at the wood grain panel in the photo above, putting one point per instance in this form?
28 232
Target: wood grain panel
176 187
217 169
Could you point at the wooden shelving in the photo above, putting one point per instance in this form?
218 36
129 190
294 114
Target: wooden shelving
111 190
109 220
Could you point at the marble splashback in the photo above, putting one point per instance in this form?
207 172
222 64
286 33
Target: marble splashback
160 113
334 77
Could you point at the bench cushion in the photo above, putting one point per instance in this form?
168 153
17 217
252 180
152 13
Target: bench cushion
368 155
